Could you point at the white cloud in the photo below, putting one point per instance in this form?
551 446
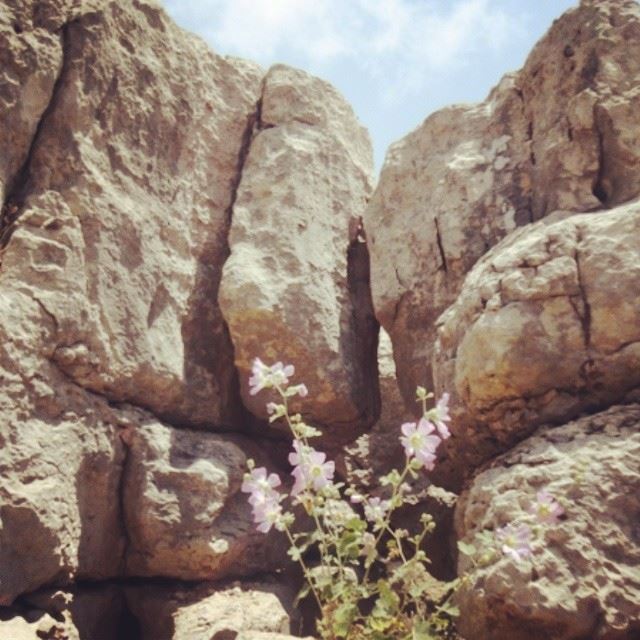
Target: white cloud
400 42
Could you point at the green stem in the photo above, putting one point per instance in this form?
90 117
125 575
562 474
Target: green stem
387 518
305 569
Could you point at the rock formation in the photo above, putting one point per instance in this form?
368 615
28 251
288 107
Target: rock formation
545 327
168 214
296 285
125 142
504 265
557 135
584 580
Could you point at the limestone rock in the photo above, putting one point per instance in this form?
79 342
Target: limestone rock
30 59
547 325
18 628
118 218
295 287
582 580
185 515
211 612
91 611
60 464
559 134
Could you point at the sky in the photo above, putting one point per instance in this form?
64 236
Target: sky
395 61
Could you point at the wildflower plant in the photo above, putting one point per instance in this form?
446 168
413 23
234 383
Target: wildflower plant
515 539
369 579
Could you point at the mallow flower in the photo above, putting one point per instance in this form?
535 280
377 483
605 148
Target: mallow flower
419 443
266 377
311 468
263 497
515 541
441 416
546 508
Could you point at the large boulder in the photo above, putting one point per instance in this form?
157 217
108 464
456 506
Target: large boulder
119 215
582 579
295 287
184 513
31 61
547 325
559 134
212 612
60 462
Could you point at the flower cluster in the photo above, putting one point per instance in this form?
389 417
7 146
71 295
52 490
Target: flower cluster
273 377
421 439
369 579
515 540
264 499
310 468
349 536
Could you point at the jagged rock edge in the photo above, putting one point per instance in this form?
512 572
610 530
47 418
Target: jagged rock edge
14 199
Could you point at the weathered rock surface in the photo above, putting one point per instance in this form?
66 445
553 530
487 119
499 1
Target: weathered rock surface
559 134
547 325
207 612
18 628
379 450
184 513
295 287
118 217
94 612
30 59
582 580
60 463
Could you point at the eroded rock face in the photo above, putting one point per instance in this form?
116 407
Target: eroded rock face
546 326
95 611
185 515
559 134
295 287
120 212
582 580
31 60
60 463
210 612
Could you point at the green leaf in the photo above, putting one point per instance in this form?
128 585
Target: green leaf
343 618
295 554
466 548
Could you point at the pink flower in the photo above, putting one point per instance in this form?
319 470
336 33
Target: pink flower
267 515
515 541
546 508
259 482
441 415
311 469
263 497
419 443
265 377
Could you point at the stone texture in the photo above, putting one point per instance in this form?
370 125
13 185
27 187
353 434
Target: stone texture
118 217
211 612
60 463
184 513
376 452
295 287
559 134
91 612
46 627
30 59
583 579
547 325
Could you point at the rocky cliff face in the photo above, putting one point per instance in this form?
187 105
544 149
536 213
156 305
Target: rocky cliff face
135 162
168 214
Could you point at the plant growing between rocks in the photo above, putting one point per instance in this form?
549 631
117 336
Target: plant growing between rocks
371 581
